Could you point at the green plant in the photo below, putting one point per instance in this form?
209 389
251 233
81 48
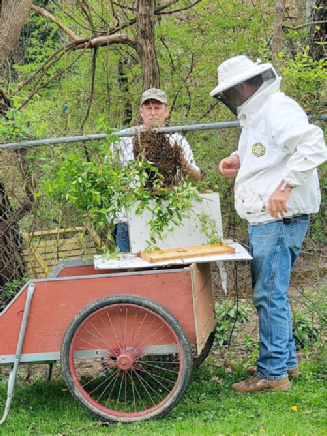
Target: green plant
100 187
208 227
228 314
250 344
305 79
17 125
11 288
304 332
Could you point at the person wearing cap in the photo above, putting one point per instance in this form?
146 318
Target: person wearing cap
276 190
154 113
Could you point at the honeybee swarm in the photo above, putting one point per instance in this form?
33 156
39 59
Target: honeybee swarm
156 148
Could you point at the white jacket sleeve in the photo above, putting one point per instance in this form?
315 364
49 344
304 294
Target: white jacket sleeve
303 141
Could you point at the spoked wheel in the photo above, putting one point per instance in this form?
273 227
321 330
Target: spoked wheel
126 358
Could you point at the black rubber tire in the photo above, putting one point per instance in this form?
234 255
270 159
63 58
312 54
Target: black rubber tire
150 374
197 361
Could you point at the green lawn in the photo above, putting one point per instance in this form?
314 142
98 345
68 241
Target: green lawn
208 408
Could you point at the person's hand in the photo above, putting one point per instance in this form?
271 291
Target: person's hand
277 201
229 165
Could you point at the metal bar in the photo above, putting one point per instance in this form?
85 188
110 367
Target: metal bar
50 368
29 358
13 372
130 132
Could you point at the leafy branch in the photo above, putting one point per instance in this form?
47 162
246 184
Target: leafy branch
101 188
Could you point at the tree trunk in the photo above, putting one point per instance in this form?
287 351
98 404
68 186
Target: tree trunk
301 11
13 14
317 12
277 44
145 44
124 86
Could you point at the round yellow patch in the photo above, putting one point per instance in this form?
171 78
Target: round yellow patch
258 149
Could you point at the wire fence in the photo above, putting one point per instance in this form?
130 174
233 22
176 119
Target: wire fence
38 231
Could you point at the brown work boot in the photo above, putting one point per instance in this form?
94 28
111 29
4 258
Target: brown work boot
291 372
257 384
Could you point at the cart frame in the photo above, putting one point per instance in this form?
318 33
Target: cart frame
72 274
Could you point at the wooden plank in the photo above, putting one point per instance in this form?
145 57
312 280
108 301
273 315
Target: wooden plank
42 250
39 266
30 235
185 252
60 253
56 259
204 305
61 244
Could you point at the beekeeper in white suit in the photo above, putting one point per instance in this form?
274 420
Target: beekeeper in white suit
276 190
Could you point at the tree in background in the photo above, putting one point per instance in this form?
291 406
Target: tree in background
310 14
100 25
12 18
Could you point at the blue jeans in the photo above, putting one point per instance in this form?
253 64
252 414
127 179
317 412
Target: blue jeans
274 248
122 237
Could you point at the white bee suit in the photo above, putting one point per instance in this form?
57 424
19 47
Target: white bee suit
277 143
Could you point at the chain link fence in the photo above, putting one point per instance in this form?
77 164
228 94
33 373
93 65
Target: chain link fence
37 231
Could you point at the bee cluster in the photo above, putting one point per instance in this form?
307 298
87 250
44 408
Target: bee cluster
155 147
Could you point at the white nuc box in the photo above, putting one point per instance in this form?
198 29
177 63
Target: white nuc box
188 233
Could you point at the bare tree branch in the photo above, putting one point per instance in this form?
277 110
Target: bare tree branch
127 8
55 76
110 36
42 67
106 40
62 26
158 10
113 11
72 17
305 25
86 11
166 5
94 64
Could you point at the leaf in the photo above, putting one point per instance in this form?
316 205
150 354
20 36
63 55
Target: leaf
217 380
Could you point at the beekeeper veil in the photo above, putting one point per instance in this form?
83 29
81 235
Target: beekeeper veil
235 73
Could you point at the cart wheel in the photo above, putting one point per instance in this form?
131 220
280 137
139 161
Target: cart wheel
126 358
197 361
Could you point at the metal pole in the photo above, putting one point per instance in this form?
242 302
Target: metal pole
129 132
121 133
13 371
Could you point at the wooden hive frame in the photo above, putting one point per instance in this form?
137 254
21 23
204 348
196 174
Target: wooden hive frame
43 250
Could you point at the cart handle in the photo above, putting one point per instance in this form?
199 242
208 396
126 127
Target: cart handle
13 371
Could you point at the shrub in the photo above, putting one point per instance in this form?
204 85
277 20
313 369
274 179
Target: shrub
228 314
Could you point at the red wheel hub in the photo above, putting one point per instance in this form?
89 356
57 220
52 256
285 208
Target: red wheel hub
125 360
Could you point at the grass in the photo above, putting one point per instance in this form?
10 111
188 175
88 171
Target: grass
208 408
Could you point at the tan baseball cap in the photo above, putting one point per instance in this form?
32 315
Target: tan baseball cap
154 94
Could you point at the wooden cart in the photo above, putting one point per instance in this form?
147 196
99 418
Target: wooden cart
127 337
